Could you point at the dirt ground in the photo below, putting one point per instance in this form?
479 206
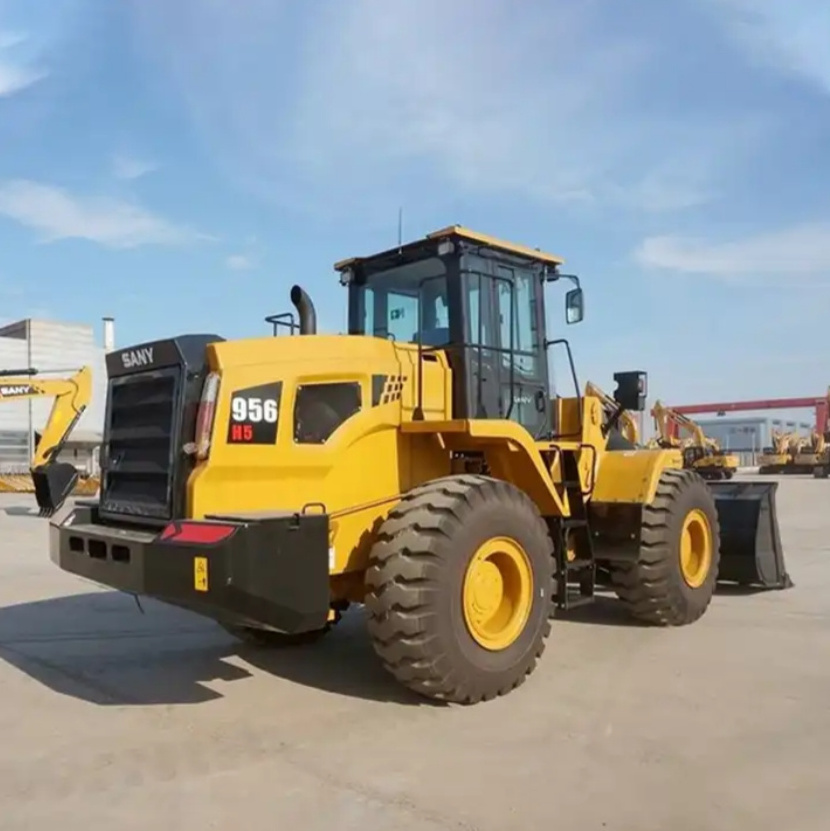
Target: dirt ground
114 718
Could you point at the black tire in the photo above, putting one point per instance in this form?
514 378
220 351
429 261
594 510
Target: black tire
653 588
414 588
268 639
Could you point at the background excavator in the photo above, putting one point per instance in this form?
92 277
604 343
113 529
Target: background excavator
700 452
776 458
809 453
53 481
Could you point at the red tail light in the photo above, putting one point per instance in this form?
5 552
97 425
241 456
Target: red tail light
205 417
196 533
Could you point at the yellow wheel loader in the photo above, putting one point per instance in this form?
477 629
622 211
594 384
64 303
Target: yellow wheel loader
700 452
417 465
53 481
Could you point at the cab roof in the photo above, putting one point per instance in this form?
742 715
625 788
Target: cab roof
462 233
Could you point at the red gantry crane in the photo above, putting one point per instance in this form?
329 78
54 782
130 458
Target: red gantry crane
819 404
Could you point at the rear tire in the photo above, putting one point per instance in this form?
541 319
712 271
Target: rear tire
431 584
657 589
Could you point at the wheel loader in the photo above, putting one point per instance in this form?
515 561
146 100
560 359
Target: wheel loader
417 465
53 481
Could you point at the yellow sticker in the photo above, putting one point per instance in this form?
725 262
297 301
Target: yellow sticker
200 574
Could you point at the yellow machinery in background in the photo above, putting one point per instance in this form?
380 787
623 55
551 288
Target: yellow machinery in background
700 452
809 453
777 457
417 465
53 481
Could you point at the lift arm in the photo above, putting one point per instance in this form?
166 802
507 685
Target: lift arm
627 422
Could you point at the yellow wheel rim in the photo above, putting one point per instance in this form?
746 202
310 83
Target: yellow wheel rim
695 548
497 595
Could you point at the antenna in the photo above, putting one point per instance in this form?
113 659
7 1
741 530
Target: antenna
400 228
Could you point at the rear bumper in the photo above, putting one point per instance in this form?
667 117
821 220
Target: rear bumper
269 570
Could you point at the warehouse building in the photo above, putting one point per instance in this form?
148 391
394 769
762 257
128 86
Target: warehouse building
57 349
747 437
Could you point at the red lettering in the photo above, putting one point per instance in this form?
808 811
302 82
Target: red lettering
242 432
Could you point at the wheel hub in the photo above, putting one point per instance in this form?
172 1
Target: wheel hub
695 549
497 593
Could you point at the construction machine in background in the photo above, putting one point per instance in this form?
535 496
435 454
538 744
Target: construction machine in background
417 465
777 457
809 452
700 452
821 470
53 480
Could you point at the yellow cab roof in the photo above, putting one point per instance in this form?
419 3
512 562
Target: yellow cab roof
460 232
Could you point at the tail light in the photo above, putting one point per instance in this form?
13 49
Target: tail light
197 533
200 447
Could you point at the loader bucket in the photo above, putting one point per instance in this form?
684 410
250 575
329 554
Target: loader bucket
751 552
53 484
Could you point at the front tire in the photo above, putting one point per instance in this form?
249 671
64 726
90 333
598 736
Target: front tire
673 579
460 589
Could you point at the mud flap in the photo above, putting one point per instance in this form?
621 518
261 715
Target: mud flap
53 484
751 551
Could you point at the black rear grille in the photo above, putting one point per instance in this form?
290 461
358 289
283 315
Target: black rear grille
138 459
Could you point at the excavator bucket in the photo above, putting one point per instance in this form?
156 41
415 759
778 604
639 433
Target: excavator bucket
751 551
53 483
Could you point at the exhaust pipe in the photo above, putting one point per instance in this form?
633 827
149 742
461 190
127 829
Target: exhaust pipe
305 310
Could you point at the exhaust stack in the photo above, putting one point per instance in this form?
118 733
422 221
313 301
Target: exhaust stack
305 310
109 334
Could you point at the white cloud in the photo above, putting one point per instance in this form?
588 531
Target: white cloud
542 105
130 167
239 262
801 251
792 35
58 214
15 74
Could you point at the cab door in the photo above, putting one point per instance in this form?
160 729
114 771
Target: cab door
505 365
523 372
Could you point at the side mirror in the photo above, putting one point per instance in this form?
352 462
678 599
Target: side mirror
631 391
574 306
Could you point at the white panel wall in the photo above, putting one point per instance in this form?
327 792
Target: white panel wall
67 347
14 415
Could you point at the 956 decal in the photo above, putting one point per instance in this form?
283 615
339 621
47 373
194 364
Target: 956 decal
254 414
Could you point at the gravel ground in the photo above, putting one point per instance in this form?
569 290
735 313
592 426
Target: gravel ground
114 718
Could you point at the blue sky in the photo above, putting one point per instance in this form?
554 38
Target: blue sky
179 165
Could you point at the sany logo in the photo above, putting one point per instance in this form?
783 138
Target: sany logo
19 389
137 357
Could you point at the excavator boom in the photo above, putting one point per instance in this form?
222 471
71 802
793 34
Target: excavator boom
53 480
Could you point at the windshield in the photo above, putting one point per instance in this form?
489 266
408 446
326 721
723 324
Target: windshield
387 304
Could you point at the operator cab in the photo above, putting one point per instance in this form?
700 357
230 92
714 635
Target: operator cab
479 299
